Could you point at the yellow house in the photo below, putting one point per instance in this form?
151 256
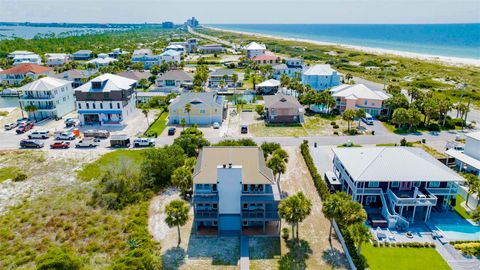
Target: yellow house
206 108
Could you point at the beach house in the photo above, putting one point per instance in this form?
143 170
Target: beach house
76 76
206 108
136 75
281 108
18 53
57 59
175 80
359 96
320 77
210 48
16 74
102 60
178 47
106 100
468 160
146 57
27 59
223 77
397 185
234 193
268 87
82 55
292 67
117 52
53 98
268 58
254 49
170 56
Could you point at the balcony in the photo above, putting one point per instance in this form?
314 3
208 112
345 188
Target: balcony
36 97
257 197
442 191
411 198
205 197
206 214
260 214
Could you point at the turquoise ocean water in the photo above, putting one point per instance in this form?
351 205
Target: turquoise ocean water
454 40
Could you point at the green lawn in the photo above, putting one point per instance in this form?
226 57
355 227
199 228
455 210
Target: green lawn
159 125
7 173
459 209
94 170
384 258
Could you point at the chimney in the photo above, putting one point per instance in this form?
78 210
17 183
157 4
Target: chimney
224 166
230 165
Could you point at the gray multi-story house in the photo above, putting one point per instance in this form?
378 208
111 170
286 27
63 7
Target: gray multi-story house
397 185
235 193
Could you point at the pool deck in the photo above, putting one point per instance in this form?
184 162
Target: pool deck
424 233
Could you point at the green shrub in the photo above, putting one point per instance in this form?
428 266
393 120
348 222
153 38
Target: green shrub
58 259
333 123
321 186
450 124
433 127
19 176
285 234
336 126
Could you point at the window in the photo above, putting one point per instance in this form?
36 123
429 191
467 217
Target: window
214 223
118 105
200 205
373 103
416 184
101 105
245 188
214 206
214 187
245 206
88 106
79 106
93 105
366 103
434 184
373 184
202 111
395 184
111 105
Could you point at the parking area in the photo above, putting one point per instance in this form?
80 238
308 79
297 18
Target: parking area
133 127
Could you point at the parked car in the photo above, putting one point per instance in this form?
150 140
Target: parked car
87 142
10 126
244 129
143 142
71 122
216 125
171 131
31 144
368 119
332 181
24 119
22 128
60 144
120 141
97 133
68 136
39 134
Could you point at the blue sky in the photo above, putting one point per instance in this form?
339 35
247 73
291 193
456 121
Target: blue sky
244 11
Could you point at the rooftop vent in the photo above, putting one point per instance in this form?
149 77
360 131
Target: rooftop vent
230 165
224 166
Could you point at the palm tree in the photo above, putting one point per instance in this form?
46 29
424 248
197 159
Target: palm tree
295 209
473 185
188 108
360 113
360 234
278 166
282 154
145 111
331 208
31 109
349 116
284 80
182 178
176 215
254 80
235 78
183 123
221 84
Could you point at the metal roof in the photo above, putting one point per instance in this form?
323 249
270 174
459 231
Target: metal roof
386 164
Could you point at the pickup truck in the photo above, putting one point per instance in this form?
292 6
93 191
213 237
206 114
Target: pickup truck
22 128
87 142
64 136
143 142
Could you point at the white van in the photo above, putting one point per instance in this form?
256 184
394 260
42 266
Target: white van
40 134
368 119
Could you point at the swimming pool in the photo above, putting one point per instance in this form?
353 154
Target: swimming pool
457 229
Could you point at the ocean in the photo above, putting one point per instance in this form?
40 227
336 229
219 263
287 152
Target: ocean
453 40
29 32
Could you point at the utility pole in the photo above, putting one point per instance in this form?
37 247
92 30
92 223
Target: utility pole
385 79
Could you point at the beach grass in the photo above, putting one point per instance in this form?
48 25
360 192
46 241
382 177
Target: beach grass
159 124
385 258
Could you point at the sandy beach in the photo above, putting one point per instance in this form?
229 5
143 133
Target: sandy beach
451 61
